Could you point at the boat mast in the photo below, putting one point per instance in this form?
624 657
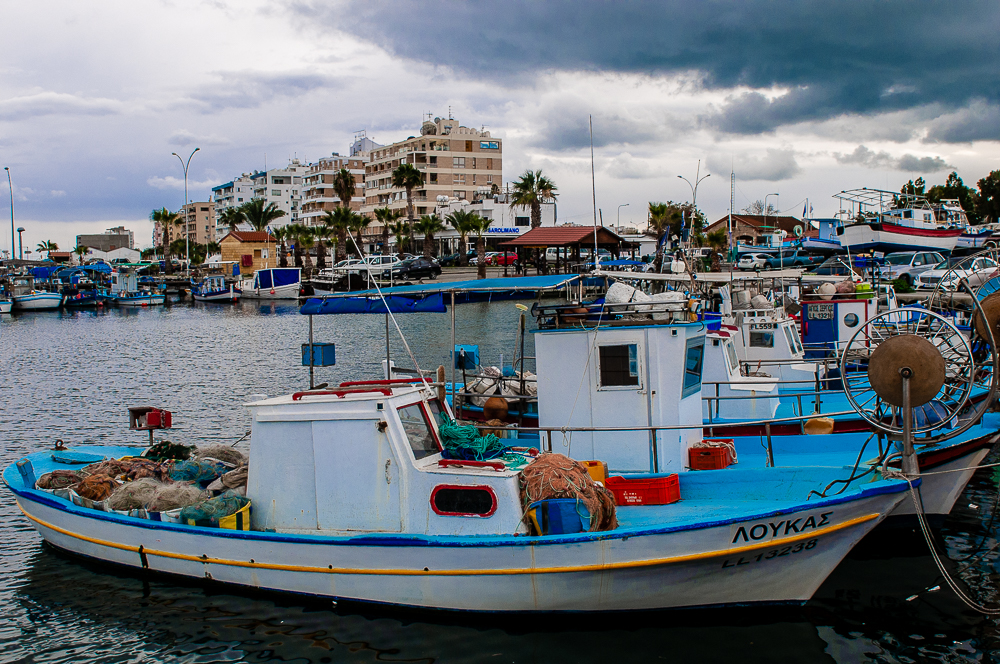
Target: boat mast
593 185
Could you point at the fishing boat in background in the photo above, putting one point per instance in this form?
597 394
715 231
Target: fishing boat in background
27 298
887 221
125 291
213 288
273 283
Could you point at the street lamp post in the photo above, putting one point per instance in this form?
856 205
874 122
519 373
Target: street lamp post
20 245
694 190
620 216
187 231
781 261
9 185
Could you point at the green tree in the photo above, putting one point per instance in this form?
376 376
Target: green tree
340 221
293 232
166 220
343 184
989 197
530 191
48 246
232 217
281 236
401 230
428 225
718 241
954 189
386 217
408 177
80 252
478 225
213 248
259 215
322 233
307 238
460 220
659 226
757 208
359 223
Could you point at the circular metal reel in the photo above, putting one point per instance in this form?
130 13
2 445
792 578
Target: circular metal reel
940 356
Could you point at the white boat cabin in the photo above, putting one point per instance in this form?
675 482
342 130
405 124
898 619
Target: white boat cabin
624 374
729 393
767 343
124 281
369 460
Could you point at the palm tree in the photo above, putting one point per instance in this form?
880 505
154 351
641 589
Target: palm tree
343 184
659 223
716 240
280 235
530 191
386 217
292 232
428 225
407 176
460 220
401 230
479 226
307 238
359 223
232 217
213 248
322 233
80 252
259 215
47 246
340 221
166 219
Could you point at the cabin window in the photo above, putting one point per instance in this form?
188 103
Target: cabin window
456 500
619 365
762 339
731 352
693 363
851 320
418 431
793 341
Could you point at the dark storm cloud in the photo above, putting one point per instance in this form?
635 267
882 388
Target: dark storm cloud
863 156
855 56
250 89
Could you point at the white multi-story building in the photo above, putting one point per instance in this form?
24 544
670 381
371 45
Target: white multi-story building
281 186
318 194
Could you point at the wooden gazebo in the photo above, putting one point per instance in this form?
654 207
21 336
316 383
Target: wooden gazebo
568 241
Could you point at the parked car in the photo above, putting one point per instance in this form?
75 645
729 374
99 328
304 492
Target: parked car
836 266
752 261
379 263
450 260
907 265
791 258
501 258
977 272
416 268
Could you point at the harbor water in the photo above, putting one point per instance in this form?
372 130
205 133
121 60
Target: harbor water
72 376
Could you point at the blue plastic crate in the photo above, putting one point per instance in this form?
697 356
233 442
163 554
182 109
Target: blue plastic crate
559 516
324 355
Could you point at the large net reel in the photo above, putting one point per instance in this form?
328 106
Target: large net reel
933 356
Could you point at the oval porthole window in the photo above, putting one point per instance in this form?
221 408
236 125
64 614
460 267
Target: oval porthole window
850 320
454 500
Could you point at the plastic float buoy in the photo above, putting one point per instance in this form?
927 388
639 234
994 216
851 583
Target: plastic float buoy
272 291
818 426
495 408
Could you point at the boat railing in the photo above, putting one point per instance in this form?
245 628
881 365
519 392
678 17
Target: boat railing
545 433
577 316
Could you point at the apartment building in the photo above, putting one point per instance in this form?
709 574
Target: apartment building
281 186
198 222
458 163
318 194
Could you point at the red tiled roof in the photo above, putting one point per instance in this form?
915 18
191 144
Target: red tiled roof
563 236
758 220
250 236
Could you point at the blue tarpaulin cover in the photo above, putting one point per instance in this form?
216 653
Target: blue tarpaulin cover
277 276
433 303
547 282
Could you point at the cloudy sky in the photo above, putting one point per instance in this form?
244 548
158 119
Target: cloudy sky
803 99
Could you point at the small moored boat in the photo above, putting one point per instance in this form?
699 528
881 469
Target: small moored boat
214 289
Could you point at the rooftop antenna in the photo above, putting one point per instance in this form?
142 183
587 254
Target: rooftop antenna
449 113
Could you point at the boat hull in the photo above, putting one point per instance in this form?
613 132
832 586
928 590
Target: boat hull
38 302
287 292
6 306
218 296
139 301
753 560
884 237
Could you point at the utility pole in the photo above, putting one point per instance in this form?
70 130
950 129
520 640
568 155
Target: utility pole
11 212
694 190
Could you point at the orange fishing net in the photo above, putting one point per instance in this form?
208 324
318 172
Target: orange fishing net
96 487
558 476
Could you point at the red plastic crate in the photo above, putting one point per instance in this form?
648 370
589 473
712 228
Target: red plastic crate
654 491
709 458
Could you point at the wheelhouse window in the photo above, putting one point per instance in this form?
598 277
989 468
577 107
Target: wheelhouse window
454 500
731 353
619 365
419 432
762 339
694 356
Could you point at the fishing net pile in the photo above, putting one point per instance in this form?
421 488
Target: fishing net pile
201 471
134 495
213 509
167 450
59 479
470 444
175 496
132 468
223 453
558 476
96 487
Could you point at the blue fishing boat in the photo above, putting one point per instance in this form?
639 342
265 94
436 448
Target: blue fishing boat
213 288
125 290
27 298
